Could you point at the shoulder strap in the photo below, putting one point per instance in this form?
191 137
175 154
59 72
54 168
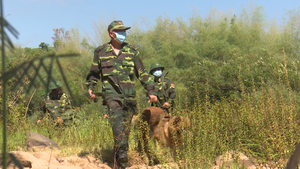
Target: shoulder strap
132 47
162 77
101 47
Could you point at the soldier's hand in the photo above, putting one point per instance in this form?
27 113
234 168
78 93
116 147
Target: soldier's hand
106 116
92 96
38 121
59 120
166 105
153 98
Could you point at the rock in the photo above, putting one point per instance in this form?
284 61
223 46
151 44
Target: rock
38 142
231 156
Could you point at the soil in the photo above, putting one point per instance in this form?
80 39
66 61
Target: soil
52 160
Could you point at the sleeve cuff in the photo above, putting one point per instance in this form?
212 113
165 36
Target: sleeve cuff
152 92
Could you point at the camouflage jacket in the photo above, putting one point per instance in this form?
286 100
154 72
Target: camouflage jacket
56 107
165 92
117 72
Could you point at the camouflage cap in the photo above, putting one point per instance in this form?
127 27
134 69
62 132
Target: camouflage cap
55 84
154 66
117 25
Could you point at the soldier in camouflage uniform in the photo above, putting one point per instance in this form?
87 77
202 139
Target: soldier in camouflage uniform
116 64
57 104
164 87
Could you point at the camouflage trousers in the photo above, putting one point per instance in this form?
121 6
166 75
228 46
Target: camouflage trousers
120 112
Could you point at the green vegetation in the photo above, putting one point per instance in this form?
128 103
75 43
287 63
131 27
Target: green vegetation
233 79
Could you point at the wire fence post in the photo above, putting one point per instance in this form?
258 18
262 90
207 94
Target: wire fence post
4 88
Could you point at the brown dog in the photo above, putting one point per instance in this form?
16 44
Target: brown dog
166 130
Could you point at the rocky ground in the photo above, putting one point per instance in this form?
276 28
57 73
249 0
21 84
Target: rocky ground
43 153
50 159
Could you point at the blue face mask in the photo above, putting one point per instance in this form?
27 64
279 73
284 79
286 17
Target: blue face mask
120 36
157 73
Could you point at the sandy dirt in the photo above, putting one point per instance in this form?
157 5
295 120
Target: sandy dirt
51 160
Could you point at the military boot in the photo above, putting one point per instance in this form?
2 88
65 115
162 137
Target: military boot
121 160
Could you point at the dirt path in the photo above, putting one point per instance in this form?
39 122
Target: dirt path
51 160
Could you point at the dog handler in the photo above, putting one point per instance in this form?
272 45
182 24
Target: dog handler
163 87
116 64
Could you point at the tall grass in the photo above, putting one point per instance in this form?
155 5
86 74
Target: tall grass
263 125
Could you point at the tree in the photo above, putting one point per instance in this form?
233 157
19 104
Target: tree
60 38
44 46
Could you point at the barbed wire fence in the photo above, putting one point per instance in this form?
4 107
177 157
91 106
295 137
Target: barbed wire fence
22 72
